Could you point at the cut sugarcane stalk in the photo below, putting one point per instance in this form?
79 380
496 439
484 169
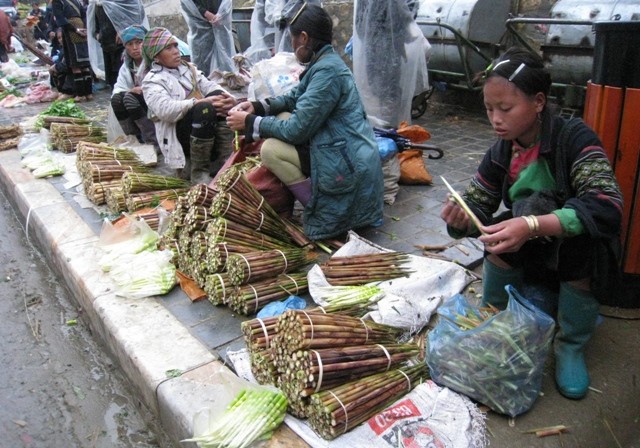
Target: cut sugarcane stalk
463 204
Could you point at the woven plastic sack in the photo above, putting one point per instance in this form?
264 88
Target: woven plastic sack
500 362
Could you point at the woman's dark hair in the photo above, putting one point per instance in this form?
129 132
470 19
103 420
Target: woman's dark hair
521 67
315 21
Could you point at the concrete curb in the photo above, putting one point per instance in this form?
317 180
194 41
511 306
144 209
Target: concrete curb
146 340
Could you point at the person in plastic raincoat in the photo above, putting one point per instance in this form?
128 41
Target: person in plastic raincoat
210 37
105 19
390 56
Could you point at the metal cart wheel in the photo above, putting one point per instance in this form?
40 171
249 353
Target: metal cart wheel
419 103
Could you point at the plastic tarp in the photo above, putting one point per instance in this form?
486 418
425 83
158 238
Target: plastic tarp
122 13
211 45
390 56
263 28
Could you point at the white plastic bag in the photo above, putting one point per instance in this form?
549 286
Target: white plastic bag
275 76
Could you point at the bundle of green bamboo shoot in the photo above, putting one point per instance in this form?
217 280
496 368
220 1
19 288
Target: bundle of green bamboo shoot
251 298
65 137
258 265
298 331
362 269
101 167
335 411
137 201
134 182
252 415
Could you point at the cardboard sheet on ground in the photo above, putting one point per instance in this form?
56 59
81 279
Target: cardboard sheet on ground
428 416
408 302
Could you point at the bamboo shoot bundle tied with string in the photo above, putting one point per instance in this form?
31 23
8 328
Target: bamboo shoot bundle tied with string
218 253
233 182
218 288
96 191
335 411
136 201
65 137
258 265
251 298
116 201
104 151
362 269
139 182
311 371
48 120
300 329
200 194
105 170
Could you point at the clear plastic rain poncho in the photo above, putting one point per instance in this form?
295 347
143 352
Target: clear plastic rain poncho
211 45
122 13
390 56
263 28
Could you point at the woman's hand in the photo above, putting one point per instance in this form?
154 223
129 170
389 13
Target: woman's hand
245 106
236 119
506 236
136 90
454 215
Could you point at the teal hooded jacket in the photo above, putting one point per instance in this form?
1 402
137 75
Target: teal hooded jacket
346 173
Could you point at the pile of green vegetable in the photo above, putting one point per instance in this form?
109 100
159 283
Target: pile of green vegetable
252 415
60 108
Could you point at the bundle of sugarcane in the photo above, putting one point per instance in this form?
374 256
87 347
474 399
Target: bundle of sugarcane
299 329
139 182
218 288
48 120
258 265
234 208
251 298
362 269
234 182
104 151
136 201
65 137
200 194
115 199
335 411
310 371
96 191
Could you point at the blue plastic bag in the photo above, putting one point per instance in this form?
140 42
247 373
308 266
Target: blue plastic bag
500 362
387 148
279 307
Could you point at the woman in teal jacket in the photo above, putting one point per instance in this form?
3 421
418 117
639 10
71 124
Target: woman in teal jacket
318 140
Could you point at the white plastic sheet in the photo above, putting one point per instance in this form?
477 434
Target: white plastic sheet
409 302
390 56
211 45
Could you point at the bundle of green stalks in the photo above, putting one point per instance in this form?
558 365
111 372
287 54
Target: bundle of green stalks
136 201
251 298
104 151
217 253
298 329
139 182
197 218
362 269
200 194
218 288
258 265
352 300
93 171
96 191
335 411
65 137
116 201
235 183
48 120
307 372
